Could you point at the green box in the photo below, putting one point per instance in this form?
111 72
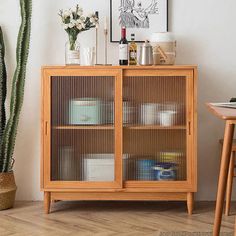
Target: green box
85 111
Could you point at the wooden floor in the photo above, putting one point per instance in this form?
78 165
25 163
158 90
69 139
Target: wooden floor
109 218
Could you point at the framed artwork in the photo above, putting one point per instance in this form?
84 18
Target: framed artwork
140 17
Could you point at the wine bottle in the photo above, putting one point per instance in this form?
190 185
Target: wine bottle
132 51
123 49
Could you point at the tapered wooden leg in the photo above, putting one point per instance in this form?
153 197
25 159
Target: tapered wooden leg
190 203
235 227
47 202
229 184
224 167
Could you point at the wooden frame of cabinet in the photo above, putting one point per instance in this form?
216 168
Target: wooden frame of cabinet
120 189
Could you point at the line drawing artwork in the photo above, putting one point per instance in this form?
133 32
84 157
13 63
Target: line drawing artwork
135 14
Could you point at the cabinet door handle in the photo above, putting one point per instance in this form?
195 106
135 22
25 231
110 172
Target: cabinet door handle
189 128
46 128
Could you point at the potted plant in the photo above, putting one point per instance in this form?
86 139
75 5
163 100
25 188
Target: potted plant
75 22
8 126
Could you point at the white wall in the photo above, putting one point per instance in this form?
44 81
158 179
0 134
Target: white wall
206 37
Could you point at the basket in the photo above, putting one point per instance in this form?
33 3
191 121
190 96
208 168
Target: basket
7 190
164 49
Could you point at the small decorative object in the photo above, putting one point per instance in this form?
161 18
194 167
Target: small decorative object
74 22
146 54
96 39
106 40
165 171
89 56
164 48
8 127
142 17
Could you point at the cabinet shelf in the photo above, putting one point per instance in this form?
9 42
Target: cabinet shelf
155 127
110 127
84 127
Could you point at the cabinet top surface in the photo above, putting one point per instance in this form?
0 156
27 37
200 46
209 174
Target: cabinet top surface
163 67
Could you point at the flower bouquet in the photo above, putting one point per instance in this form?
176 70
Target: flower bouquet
75 22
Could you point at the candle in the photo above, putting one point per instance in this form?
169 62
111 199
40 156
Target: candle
105 23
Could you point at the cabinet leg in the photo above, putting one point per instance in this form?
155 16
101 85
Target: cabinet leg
47 202
190 203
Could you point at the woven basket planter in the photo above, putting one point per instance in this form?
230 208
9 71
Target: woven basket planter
7 190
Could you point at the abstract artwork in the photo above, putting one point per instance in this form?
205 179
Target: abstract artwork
141 17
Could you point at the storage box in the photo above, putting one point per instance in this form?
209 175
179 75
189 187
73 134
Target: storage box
99 167
85 111
164 48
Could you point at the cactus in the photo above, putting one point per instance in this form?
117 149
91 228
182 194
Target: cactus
18 84
3 92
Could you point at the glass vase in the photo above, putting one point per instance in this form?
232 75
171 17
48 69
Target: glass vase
72 52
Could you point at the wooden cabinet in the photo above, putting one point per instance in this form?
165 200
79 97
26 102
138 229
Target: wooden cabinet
119 133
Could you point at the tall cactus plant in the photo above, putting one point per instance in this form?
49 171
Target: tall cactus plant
3 91
9 130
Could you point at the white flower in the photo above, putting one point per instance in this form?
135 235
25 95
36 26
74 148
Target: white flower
79 26
74 22
92 20
66 13
66 26
80 12
71 25
82 18
79 21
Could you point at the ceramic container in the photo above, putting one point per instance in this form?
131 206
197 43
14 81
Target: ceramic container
149 113
167 118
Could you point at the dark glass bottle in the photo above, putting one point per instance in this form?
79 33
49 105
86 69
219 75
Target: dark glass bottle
123 49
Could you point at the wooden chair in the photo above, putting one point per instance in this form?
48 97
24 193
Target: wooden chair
231 175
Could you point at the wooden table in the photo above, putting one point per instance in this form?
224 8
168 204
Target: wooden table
229 115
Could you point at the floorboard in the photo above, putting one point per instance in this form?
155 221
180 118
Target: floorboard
110 218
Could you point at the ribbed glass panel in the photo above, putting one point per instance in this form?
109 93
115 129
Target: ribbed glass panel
82 120
154 142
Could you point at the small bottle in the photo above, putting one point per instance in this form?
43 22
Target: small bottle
133 51
123 49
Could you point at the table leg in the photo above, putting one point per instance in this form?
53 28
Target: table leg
224 167
229 184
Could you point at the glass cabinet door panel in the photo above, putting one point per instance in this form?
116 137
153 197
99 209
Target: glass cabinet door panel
82 128
155 128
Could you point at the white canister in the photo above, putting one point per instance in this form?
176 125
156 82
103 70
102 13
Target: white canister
149 113
167 118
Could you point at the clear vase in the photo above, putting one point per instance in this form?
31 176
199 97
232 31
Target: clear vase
72 53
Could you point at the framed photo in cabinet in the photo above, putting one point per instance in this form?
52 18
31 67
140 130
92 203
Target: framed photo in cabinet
140 17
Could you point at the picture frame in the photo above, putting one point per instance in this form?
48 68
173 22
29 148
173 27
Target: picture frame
140 17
